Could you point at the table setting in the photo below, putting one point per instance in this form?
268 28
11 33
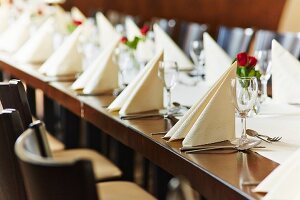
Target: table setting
204 115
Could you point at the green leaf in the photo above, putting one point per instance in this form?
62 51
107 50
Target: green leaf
71 27
252 73
133 44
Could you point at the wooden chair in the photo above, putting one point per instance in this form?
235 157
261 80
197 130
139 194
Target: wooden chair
11 181
13 95
189 32
235 40
48 179
290 41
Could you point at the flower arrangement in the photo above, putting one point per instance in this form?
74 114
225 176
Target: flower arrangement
246 66
73 25
133 43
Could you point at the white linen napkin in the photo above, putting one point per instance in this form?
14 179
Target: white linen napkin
76 14
285 75
66 60
171 50
107 32
217 60
4 17
17 34
102 75
144 93
55 1
282 182
40 46
132 30
211 119
62 19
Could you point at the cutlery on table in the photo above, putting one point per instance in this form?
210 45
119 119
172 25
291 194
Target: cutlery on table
269 139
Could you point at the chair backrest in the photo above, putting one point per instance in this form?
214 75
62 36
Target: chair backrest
50 179
189 32
235 40
13 95
11 180
290 41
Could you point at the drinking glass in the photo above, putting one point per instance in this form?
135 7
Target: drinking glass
168 72
244 93
264 66
197 55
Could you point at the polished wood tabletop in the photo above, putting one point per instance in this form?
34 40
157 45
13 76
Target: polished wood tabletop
215 175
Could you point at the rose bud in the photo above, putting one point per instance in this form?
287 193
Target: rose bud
124 40
77 22
145 29
242 59
252 61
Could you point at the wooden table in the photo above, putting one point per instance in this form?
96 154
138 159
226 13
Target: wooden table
216 176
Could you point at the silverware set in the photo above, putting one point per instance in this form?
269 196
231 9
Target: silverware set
265 138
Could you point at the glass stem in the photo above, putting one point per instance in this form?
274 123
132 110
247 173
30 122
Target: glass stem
169 99
243 119
264 91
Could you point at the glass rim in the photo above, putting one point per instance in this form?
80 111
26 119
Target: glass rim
245 78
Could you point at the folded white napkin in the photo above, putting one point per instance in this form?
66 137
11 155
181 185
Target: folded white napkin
217 60
77 15
144 93
17 34
171 50
211 119
102 75
107 32
4 17
285 75
40 46
62 19
66 60
282 183
132 30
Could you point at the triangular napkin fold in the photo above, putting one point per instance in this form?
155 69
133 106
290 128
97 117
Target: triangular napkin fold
105 75
77 15
66 60
285 75
40 46
107 32
171 50
132 30
4 17
217 60
16 35
278 183
211 119
144 93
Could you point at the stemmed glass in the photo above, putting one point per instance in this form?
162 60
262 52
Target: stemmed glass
244 93
197 55
264 66
168 72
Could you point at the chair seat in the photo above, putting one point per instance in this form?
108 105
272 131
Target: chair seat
54 144
116 190
104 169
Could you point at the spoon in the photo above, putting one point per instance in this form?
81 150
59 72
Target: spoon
253 133
242 147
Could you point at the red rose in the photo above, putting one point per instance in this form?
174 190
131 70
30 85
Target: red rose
252 61
145 29
124 40
242 59
77 22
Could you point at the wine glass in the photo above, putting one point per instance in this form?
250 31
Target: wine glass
264 67
168 72
244 93
197 55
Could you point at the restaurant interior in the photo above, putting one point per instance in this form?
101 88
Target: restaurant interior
149 99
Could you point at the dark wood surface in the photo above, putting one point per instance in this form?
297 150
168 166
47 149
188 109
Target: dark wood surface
261 14
207 173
